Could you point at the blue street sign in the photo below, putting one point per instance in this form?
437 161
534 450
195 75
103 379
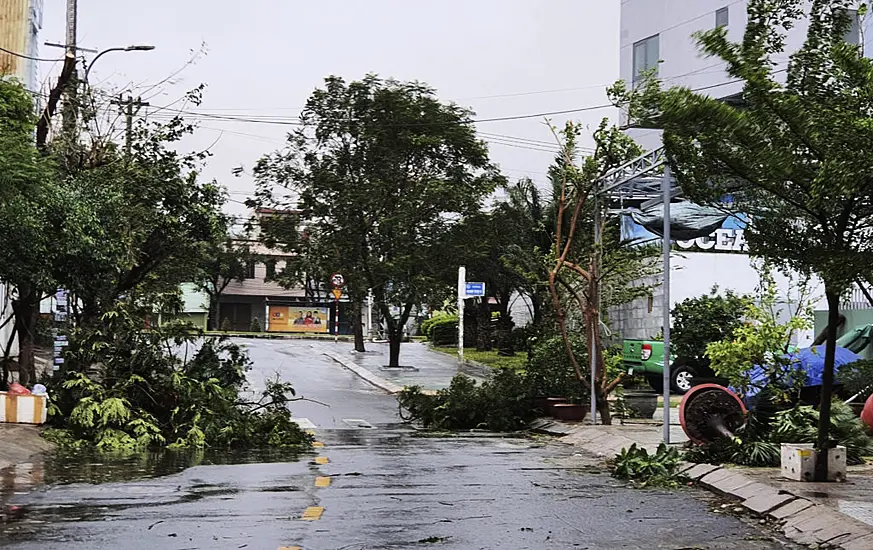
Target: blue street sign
474 289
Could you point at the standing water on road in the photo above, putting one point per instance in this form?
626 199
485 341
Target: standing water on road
88 488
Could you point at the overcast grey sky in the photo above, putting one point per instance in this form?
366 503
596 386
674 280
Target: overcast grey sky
264 57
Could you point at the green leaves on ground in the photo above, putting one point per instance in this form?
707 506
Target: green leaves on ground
504 403
499 404
163 387
644 470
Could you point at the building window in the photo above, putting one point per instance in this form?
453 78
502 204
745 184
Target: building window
271 268
721 18
646 56
250 270
853 34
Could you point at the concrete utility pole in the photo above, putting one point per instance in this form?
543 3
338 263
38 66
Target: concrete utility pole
64 79
70 110
131 107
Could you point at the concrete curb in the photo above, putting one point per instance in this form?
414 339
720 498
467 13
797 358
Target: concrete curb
801 520
476 369
366 374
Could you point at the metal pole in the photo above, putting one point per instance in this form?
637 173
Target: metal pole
665 189
336 322
592 332
128 134
462 282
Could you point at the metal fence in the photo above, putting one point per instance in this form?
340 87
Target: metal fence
856 299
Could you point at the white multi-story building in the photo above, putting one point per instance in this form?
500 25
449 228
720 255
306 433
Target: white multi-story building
659 35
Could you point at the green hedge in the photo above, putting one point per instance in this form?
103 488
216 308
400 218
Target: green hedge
445 333
438 319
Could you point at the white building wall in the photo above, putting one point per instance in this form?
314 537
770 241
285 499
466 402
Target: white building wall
682 64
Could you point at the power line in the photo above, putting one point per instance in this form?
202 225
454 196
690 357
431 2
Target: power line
543 114
16 54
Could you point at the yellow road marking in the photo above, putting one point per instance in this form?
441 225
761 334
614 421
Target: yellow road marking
318 444
321 460
312 513
290 548
322 481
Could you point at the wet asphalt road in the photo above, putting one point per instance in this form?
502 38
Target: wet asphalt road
366 488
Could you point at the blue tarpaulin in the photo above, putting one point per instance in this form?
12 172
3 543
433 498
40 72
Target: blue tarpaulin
808 361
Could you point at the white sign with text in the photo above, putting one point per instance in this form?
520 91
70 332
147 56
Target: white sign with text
722 240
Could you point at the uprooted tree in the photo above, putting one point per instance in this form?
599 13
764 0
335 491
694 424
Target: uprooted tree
591 276
382 170
786 150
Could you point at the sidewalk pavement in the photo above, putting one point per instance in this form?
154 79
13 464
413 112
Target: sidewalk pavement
430 369
824 515
20 442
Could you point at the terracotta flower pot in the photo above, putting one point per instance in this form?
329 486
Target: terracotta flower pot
551 402
569 412
718 413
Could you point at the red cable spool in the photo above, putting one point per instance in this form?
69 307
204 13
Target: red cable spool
867 412
709 411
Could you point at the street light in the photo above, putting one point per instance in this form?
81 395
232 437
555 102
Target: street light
136 48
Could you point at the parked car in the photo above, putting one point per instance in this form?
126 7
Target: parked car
646 358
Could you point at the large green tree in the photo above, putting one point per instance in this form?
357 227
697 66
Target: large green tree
34 228
786 150
383 170
79 214
154 221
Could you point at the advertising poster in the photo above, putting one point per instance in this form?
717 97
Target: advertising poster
299 319
725 235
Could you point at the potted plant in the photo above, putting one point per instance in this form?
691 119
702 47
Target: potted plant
637 401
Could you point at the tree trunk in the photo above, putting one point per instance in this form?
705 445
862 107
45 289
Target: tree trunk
214 322
357 326
25 326
827 386
395 337
536 303
90 312
603 408
471 324
483 325
4 383
505 345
